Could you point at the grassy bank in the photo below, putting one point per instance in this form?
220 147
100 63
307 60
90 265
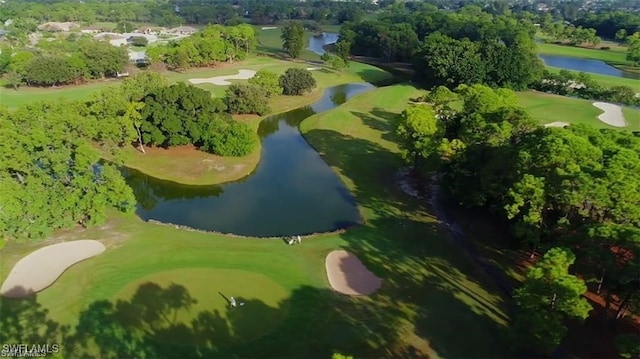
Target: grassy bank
606 81
190 166
432 294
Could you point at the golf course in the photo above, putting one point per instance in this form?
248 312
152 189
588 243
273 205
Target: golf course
393 283
110 303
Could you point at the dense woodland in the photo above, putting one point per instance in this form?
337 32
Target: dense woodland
575 190
470 46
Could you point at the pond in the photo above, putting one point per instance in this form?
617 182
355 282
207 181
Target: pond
585 65
292 190
317 42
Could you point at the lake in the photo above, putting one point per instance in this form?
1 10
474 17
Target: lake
585 65
292 190
316 43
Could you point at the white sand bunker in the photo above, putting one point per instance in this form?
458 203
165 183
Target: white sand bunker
269 27
41 268
349 276
612 114
313 68
557 124
222 80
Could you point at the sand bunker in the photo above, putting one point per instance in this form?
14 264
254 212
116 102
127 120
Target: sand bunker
41 268
222 80
349 276
612 114
269 27
556 124
313 68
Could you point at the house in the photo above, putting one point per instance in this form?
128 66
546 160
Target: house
183 30
58 26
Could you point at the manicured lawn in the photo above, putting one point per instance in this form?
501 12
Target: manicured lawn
547 108
615 57
269 42
607 81
432 294
25 95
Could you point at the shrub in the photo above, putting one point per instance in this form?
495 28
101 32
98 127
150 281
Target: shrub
138 41
247 98
229 138
268 81
296 81
605 48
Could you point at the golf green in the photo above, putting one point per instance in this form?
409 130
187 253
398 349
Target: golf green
195 296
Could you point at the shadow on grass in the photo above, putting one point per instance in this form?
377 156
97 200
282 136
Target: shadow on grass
167 323
445 296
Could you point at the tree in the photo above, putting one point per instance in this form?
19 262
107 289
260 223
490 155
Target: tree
628 346
102 58
621 35
296 81
229 138
293 38
13 79
420 133
177 115
268 81
49 174
247 98
138 41
633 49
547 297
343 50
341 356
19 61
48 71
335 62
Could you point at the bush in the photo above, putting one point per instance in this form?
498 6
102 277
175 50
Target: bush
247 98
268 81
605 48
229 138
628 345
138 41
296 81
48 71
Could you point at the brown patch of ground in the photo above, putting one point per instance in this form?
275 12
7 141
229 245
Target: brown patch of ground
188 165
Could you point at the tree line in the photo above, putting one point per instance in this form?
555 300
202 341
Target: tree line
472 47
211 45
223 12
571 193
62 61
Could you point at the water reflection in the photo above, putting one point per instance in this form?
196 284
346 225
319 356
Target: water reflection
292 190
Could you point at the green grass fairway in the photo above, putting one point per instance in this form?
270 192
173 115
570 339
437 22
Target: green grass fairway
209 291
547 108
606 81
269 42
432 296
615 57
